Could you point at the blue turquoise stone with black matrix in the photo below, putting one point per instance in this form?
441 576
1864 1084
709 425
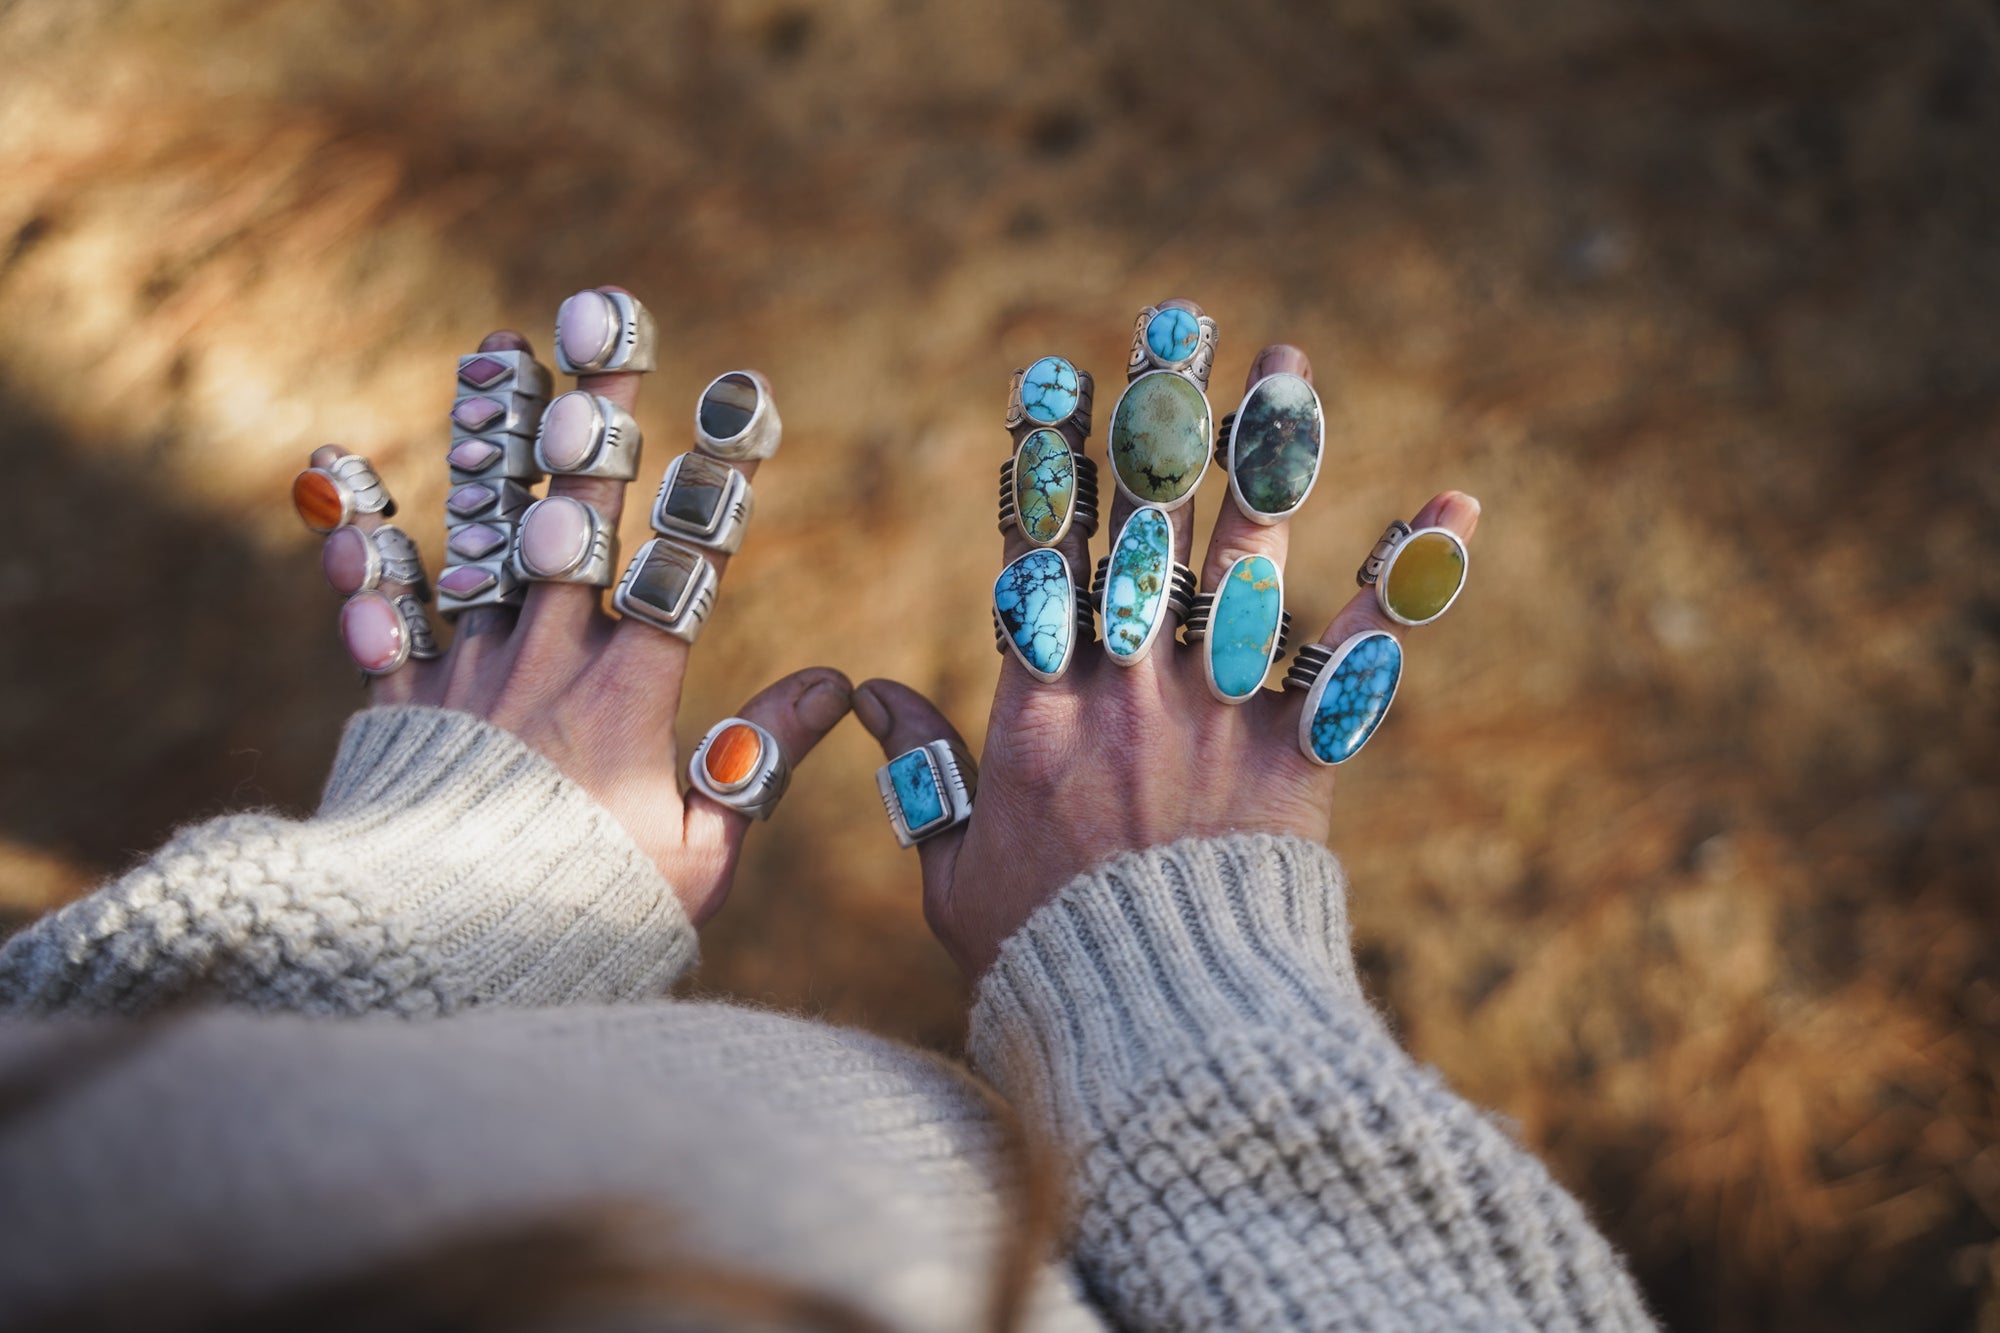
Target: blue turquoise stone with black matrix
1036 603
917 790
1050 391
1173 334
1044 486
1136 581
1356 697
1243 626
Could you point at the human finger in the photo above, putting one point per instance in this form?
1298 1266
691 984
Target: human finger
903 721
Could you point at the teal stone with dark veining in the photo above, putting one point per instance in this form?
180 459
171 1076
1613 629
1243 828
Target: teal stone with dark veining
1037 606
1243 626
1173 334
1136 581
1356 698
917 790
1279 431
1160 437
1050 391
1044 486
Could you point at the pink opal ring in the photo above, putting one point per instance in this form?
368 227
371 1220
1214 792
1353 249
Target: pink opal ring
601 332
587 435
355 560
563 540
383 632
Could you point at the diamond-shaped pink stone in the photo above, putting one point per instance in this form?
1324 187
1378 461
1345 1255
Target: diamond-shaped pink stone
483 372
472 455
465 580
469 500
476 541
478 413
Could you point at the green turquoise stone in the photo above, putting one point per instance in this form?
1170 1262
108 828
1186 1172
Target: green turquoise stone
1160 438
1050 391
1173 334
1136 582
1044 486
1355 697
1279 430
917 790
1243 626
1036 603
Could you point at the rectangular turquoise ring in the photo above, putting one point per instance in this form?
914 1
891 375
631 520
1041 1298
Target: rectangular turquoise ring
927 790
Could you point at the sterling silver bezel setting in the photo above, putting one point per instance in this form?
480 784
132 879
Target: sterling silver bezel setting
1312 671
507 589
697 598
732 514
1179 597
1195 366
614 440
1374 571
631 347
957 779
359 487
1075 427
1225 455
1207 425
1083 506
1083 624
757 795
593 564
760 436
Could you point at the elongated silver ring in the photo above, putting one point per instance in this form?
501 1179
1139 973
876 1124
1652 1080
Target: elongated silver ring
927 790
382 632
1041 614
704 501
736 418
585 434
1051 393
669 586
1348 690
1240 628
1047 488
1270 447
1140 587
1416 573
330 497
356 559
563 540
739 764
1179 601
1195 627
601 332
1176 338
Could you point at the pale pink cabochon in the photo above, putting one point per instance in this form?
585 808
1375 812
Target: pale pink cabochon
569 430
586 324
372 629
344 560
554 535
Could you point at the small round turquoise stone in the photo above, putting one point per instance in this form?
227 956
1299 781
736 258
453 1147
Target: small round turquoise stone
1036 603
1277 444
1050 391
1136 582
1173 334
1044 486
1160 438
1243 626
1355 698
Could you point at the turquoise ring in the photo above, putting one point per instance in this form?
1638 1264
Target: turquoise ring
1241 628
1348 690
927 790
1051 394
1047 489
1179 338
1138 584
1041 614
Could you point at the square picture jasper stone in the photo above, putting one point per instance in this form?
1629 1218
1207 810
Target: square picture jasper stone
695 499
664 579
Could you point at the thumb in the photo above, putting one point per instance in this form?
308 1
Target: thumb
902 720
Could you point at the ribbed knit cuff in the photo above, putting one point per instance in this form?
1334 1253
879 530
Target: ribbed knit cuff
1152 951
501 874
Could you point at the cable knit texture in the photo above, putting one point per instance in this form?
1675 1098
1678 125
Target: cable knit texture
1245 1145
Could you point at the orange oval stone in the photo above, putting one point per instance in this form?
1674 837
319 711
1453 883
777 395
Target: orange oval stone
732 756
317 499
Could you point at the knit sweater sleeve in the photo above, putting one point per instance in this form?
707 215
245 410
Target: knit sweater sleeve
1247 1145
449 866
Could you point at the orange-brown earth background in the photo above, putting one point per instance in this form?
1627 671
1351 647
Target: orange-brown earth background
1679 847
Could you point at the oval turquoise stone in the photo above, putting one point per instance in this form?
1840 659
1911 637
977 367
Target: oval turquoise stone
916 790
1355 697
1279 430
1243 626
1050 391
1160 438
1136 582
1173 334
1036 603
1044 486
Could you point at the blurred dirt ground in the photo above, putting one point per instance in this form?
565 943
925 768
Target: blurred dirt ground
1679 848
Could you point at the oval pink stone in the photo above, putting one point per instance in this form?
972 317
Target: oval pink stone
569 431
555 536
344 560
586 325
372 629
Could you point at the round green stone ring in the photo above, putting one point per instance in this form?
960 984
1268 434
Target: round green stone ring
1417 574
1160 435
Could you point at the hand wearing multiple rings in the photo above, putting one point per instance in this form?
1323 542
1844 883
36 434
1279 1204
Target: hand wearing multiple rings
535 651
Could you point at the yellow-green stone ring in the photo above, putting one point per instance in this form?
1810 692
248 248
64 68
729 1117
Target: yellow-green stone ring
1417 574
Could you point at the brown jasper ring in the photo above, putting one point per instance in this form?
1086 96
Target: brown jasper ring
739 764
329 497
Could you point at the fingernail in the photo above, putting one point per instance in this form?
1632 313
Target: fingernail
504 340
1460 512
823 705
874 714
1281 358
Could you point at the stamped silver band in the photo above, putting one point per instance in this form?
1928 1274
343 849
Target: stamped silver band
739 764
585 434
330 497
601 332
1180 592
471 584
1051 392
391 557
1195 628
1421 599
704 501
494 414
669 586
1173 337
563 540
1348 689
494 458
487 502
736 418
381 632
1048 524
927 790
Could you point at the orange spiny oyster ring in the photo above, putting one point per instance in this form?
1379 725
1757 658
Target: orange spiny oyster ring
329 497
739 764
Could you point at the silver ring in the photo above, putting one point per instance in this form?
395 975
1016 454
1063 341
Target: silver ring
387 556
1348 690
494 458
736 418
1173 338
1161 439
504 372
490 414
670 587
381 632
1252 597
1150 589
600 332
1431 583
500 501
329 497
1041 614
704 501
585 434
1053 485
563 540
927 790
471 584
1051 393
739 764
1271 447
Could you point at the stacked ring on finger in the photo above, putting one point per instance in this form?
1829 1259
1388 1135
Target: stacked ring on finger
670 587
501 399
333 496
355 560
587 435
1047 489
927 790
1270 447
1161 435
382 632
1242 628
1348 690
704 501
602 332
1417 574
736 418
1041 613
1139 584
1051 393
738 764
560 539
